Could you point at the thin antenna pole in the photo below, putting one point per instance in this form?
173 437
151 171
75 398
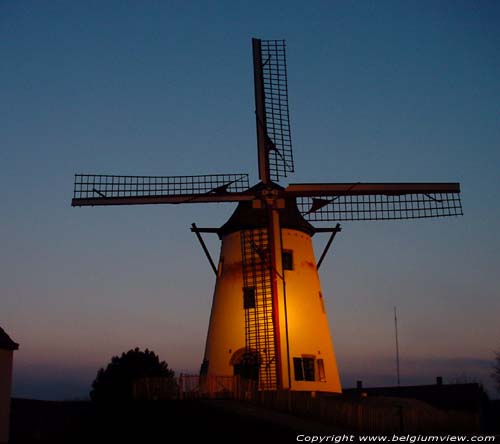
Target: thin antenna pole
397 343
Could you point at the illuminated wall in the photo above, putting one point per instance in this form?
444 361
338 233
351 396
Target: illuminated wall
307 354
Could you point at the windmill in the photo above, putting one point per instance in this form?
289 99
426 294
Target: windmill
268 319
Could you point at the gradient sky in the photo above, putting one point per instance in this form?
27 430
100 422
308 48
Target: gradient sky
379 91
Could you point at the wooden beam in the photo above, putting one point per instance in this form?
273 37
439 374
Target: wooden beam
358 188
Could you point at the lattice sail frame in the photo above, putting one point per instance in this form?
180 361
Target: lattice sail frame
276 105
110 186
379 206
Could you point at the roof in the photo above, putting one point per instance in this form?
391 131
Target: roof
245 217
5 342
468 396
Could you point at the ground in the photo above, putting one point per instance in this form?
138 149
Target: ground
221 421
142 422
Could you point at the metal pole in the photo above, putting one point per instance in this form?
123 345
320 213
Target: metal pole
334 232
397 343
275 250
194 229
289 374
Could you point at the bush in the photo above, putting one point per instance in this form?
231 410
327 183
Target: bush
115 383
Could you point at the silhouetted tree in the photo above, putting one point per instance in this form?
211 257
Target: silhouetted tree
115 383
496 370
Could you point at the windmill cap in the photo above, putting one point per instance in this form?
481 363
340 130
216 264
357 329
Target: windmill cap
5 342
245 217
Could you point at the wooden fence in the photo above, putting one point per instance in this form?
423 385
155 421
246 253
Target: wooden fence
207 387
372 414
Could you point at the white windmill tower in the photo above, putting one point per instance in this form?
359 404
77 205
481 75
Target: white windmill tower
268 319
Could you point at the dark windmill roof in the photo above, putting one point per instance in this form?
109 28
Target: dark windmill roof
5 342
245 217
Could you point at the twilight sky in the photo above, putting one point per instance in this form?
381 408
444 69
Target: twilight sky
389 91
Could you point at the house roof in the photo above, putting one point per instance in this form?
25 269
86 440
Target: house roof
6 343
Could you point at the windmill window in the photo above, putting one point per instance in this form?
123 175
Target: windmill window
248 297
297 368
303 369
287 260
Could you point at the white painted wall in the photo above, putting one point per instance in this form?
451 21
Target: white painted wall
308 328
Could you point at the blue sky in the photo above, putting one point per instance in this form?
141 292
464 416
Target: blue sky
379 91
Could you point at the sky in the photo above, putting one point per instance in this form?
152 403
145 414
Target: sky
378 91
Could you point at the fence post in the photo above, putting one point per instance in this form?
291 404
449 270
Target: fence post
359 416
401 421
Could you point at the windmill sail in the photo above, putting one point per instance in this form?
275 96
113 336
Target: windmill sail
379 201
273 122
100 189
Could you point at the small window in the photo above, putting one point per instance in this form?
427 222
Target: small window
308 364
303 369
297 367
248 297
287 260
321 370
